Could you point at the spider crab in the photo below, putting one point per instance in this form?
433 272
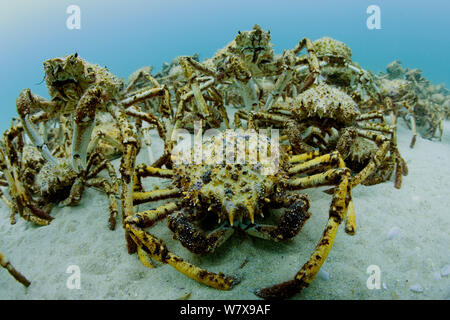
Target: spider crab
323 119
249 58
338 69
36 184
198 99
399 101
234 195
39 176
409 89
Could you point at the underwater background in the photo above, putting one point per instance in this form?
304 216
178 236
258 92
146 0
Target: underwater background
127 35
404 232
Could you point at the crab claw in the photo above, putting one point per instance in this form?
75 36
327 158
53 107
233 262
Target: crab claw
25 103
84 124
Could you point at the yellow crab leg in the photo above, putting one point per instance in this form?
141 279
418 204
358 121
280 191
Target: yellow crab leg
316 163
321 179
127 164
190 74
154 195
147 94
309 270
304 157
143 171
83 125
377 127
370 115
338 212
16 274
147 171
377 159
350 224
158 250
413 123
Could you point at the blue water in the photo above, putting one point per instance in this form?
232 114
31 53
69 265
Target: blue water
126 35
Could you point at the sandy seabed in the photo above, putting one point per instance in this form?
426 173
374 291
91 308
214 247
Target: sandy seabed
404 232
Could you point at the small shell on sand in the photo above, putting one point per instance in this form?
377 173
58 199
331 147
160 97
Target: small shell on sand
323 275
445 271
416 288
393 233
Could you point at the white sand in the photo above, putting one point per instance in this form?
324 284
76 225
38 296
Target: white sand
413 257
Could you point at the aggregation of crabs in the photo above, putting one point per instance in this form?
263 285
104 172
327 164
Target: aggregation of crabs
329 110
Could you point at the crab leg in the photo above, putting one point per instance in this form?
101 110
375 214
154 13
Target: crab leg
101 135
288 73
280 85
149 118
246 85
321 179
147 94
303 157
186 97
83 125
165 107
315 162
24 103
158 251
79 185
364 75
337 213
200 67
189 73
16 274
313 62
315 133
104 164
413 123
384 146
3 183
11 206
217 97
159 194
327 160
295 138
110 191
129 140
266 117
23 202
370 115
143 171
377 127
